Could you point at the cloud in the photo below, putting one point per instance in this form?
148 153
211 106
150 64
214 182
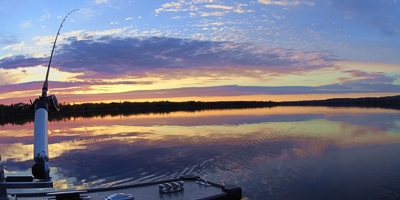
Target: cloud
286 2
357 76
45 16
207 14
5 78
26 24
201 1
9 55
100 1
239 8
170 7
368 66
216 6
196 10
177 17
63 86
15 47
132 56
21 61
80 34
361 74
221 91
128 18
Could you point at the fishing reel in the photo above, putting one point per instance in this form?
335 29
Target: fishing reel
51 101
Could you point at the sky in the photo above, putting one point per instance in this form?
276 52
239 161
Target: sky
202 50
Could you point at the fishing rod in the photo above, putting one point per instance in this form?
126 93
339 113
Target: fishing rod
45 84
40 169
43 105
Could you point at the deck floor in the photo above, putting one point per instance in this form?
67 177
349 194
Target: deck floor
192 190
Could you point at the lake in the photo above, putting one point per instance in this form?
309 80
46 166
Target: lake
272 153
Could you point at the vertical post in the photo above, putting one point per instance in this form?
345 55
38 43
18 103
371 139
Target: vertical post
40 169
1 171
3 189
3 193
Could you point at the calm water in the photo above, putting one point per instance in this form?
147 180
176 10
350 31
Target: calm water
272 153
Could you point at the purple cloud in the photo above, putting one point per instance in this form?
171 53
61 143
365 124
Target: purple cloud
367 77
56 85
22 61
138 56
231 90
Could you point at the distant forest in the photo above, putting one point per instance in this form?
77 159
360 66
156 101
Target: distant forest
392 102
11 114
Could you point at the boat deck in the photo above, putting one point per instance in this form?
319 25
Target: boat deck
191 190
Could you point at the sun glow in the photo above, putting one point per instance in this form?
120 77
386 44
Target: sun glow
35 73
276 98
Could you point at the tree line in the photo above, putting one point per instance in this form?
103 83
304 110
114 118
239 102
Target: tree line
9 114
391 102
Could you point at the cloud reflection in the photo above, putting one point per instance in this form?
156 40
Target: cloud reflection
122 149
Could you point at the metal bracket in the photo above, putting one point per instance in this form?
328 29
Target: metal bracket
203 182
171 187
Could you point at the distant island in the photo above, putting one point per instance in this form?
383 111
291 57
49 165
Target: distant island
392 102
11 114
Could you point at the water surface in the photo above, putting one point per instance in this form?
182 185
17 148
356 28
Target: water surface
274 153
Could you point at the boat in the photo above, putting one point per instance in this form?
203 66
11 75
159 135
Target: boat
182 187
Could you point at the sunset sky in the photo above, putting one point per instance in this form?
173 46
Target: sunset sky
208 50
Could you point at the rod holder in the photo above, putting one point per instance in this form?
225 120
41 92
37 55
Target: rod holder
41 169
1 171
